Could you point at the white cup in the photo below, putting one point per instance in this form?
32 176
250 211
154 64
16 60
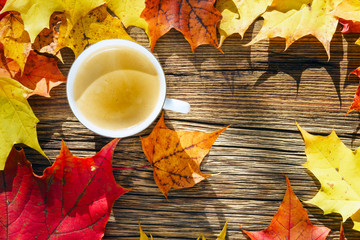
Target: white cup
162 103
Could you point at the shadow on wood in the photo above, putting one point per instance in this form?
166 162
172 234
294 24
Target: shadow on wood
299 57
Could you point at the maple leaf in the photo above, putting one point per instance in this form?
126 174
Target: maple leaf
176 155
222 235
290 222
2 4
8 67
129 12
36 13
71 200
336 167
293 20
47 40
355 105
195 19
41 73
143 235
17 120
96 26
238 15
15 39
349 26
348 10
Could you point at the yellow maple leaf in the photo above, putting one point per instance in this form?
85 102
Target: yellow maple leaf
17 120
96 26
238 15
143 235
222 235
15 39
348 9
129 12
293 20
36 13
337 168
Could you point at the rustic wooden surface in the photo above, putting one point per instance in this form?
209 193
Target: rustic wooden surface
260 90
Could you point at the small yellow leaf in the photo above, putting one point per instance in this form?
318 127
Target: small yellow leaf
96 26
289 21
337 168
348 9
35 13
143 236
17 120
222 235
238 15
129 12
15 39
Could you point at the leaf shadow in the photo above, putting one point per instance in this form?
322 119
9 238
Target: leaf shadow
299 57
352 57
175 56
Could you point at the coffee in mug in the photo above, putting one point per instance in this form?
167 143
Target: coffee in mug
116 88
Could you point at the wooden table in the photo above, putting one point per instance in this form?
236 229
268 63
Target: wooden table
260 90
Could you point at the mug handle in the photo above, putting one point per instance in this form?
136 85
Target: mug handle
176 105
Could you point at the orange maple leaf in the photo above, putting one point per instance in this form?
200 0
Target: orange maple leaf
176 155
195 19
290 222
40 74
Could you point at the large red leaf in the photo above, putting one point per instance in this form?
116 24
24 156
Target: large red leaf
195 19
290 222
71 200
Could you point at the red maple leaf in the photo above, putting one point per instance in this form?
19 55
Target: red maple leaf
71 200
355 105
290 222
195 19
349 26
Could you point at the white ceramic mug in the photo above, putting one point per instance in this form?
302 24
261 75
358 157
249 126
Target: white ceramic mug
162 103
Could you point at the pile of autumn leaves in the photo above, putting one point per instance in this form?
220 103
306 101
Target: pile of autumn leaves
32 32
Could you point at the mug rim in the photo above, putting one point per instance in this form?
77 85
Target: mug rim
125 132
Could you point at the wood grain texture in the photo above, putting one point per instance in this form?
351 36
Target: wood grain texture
260 90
